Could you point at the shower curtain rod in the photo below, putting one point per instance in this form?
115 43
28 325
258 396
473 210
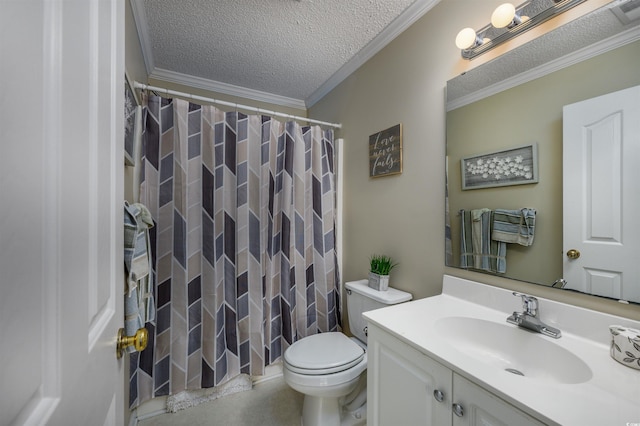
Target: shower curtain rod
141 86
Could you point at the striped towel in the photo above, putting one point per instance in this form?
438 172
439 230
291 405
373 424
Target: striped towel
139 305
514 226
448 246
477 249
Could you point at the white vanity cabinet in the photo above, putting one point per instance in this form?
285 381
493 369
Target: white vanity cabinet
401 383
406 387
483 408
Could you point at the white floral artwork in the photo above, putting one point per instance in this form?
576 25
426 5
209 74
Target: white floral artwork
510 167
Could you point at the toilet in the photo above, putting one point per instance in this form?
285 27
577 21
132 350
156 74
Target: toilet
330 368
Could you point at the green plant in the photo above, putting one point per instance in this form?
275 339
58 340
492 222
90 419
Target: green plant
381 265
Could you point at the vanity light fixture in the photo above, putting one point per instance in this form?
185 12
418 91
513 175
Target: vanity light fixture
467 38
509 21
505 15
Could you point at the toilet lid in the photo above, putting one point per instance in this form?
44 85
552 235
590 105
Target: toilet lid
323 353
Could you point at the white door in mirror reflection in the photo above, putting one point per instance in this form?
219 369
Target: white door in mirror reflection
601 211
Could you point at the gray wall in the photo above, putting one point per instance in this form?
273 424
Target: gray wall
403 215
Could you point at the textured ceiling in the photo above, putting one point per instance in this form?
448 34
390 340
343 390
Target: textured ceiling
286 48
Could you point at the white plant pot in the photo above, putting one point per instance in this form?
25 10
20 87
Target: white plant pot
378 282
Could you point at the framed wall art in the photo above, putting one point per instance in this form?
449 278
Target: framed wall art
131 124
515 166
385 152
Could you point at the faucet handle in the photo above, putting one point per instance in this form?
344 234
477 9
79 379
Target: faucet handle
529 303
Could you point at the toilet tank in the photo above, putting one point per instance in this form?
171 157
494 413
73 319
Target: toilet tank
362 298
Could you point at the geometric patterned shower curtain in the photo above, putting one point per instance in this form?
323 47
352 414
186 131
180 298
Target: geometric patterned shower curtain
244 260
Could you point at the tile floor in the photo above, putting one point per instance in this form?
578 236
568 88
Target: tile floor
269 403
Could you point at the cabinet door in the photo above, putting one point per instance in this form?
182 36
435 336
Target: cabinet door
401 384
482 408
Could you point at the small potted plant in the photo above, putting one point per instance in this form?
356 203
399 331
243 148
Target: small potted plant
379 271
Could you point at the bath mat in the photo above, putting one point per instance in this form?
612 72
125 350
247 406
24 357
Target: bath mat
191 398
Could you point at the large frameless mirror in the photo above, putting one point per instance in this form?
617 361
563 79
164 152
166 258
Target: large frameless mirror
485 121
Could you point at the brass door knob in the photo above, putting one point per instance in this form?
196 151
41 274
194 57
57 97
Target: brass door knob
139 341
573 254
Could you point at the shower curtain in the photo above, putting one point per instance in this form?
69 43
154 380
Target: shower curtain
244 262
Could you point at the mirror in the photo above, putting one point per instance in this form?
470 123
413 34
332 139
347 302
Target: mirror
516 100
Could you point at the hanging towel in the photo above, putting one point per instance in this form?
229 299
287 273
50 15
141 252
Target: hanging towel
514 226
448 245
466 245
477 249
139 305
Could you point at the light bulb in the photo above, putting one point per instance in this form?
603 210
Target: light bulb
466 38
503 15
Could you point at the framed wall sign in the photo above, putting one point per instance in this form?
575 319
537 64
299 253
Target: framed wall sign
385 152
131 117
515 166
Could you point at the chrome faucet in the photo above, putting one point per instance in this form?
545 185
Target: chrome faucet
529 318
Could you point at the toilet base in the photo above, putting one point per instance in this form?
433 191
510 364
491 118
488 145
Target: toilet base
356 417
318 411
354 405
349 410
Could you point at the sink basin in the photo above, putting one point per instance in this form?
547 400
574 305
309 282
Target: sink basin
514 350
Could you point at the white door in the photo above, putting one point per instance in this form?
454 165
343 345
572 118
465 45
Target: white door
601 161
61 194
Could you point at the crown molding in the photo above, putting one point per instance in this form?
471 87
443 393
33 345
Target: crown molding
224 88
140 18
394 29
628 36
401 23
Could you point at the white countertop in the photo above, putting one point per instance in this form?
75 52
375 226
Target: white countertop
610 397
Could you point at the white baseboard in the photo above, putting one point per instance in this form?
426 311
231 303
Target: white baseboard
146 410
271 372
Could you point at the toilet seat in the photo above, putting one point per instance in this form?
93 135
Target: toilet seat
324 353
